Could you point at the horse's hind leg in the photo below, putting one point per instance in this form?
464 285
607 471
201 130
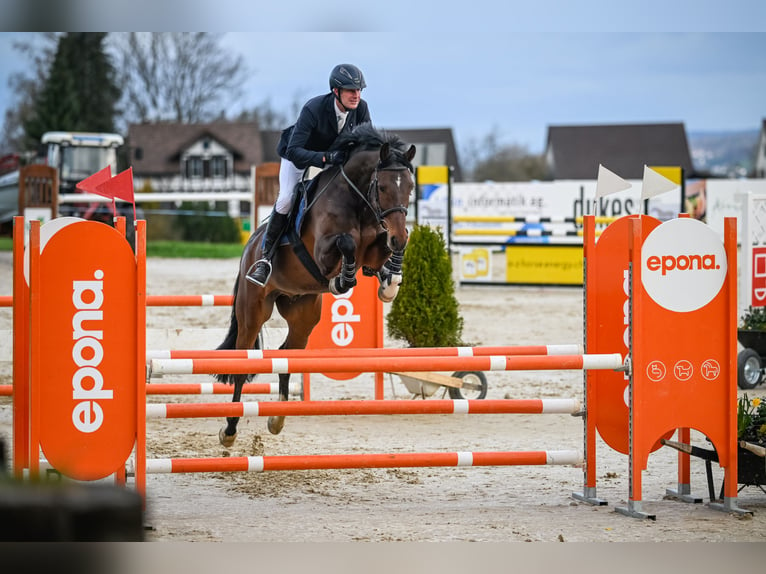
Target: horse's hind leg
276 424
228 434
250 311
302 315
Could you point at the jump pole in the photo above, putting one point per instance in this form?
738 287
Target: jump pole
366 352
345 408
207 300
611 361
348 461
196 389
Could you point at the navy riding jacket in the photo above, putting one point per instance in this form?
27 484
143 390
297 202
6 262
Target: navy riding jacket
305 142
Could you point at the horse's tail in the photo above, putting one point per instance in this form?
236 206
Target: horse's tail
230 341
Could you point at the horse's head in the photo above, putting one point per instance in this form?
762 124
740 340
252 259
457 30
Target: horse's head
379 170
393 183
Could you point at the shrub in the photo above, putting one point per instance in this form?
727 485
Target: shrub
425 312
198 223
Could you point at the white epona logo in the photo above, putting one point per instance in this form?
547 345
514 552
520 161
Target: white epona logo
683 265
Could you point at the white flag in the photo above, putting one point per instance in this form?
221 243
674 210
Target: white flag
655 184
609 182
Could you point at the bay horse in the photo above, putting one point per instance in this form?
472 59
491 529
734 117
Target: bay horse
354 218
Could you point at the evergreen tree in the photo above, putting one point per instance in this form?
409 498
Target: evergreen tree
426 313
80 93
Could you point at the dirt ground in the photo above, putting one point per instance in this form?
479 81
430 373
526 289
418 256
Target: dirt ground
488 504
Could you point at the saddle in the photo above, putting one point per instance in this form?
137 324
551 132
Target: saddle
305 191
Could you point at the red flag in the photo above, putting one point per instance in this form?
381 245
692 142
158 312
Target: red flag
90 183
120 186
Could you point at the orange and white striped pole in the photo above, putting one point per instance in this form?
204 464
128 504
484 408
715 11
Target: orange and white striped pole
378 407
384 364
344 461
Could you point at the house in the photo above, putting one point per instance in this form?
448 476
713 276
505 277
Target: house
760 156
575 152
169 157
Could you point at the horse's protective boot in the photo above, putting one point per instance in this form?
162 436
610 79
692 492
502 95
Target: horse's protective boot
260 271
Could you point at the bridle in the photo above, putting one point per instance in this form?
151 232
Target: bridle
372 198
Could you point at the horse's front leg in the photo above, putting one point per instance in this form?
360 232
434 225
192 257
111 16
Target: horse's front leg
346 279
390 277
302 315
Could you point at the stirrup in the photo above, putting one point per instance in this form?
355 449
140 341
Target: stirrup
250 276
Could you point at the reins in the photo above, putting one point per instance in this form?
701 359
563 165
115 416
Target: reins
321 191
379 215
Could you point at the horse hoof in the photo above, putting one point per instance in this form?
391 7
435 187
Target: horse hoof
387 292
275 424
225 439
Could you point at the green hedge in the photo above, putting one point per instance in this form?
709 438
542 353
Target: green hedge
196 223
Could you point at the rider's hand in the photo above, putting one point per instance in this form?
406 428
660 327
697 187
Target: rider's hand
336 157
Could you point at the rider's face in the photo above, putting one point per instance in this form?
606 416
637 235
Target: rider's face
349 98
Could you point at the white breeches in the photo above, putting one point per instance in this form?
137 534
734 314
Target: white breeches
289 176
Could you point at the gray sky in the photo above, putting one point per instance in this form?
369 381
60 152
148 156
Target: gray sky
496 65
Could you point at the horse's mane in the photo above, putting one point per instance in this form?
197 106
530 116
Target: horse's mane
366 137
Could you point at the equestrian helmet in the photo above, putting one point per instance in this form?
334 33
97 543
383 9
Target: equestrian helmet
347 77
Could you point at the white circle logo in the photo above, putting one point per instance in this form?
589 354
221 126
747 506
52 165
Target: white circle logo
683 265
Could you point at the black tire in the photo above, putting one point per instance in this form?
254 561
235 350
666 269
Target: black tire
749 369
477 389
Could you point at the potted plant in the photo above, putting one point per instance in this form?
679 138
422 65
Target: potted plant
752 336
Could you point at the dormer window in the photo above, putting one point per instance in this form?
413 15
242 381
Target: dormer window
218 167
215 167
194 167
206 159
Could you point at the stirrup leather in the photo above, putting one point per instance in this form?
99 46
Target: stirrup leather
250 273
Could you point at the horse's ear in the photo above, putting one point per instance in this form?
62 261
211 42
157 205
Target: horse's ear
385 151
410 153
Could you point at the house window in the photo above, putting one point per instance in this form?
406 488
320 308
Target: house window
218 167
194 167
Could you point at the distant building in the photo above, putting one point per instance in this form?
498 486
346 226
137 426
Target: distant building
575 152
760 156
170 157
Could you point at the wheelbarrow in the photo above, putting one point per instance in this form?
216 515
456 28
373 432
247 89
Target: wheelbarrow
751 463
459 385
751 359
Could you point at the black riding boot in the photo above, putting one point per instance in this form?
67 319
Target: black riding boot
260 271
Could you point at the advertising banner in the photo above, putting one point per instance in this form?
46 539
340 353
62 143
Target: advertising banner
87 373
353 320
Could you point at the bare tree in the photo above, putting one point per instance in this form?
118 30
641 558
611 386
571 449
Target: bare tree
269 117
266 115
38 50
177 76
492 160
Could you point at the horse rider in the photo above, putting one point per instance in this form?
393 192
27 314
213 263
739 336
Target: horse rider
306 143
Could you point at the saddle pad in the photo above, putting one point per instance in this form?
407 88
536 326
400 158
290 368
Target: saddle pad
303 191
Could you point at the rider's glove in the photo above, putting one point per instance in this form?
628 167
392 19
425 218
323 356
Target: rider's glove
336 157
